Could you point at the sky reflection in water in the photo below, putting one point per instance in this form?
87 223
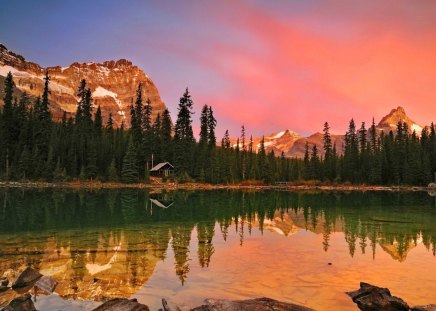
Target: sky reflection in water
187 246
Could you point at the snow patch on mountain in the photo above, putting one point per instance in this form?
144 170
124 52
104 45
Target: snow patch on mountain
102 92
417 128
4 70
278 135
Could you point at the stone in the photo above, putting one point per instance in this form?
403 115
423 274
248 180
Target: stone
47 284
165 305
4 281
122 304
26 278
258 304
22 303
424 308
373 298
3 288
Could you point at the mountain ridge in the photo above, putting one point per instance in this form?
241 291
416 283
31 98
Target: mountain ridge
113 84
295 146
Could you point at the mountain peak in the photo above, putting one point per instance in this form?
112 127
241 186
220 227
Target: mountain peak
113 83
390 121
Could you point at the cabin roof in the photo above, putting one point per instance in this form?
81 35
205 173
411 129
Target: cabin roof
160 166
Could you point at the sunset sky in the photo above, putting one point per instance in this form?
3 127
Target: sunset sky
269 65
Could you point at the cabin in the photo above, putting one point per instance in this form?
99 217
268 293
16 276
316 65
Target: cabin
162 169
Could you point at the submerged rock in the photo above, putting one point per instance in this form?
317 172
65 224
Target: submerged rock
424 308
122 304
22 303
47 284
259 304
373 298
26 278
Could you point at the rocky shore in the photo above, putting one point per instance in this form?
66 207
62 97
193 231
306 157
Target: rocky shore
367 298
156 185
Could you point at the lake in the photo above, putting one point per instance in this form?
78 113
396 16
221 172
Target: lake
301 247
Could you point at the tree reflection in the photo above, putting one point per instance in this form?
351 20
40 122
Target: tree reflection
96 239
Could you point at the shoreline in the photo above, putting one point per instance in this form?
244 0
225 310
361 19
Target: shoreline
168 186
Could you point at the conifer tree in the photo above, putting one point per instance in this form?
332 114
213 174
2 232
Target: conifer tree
211 128
183 136
98 121
129 172
166 137
225 142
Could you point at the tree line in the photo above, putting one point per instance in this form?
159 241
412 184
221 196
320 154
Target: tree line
34 147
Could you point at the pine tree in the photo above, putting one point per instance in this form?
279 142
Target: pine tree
110 122
306 161
129 172
204 126
351 154
211 128
166 137
225 142
112 171
184 137
98 122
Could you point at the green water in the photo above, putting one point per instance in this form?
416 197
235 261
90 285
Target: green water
188 246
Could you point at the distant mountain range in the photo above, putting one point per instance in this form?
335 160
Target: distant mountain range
113 84
293 144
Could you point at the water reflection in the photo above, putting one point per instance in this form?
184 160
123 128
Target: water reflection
108 243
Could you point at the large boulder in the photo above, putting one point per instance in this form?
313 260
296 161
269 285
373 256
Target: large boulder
259 304
22 303
47 284
373 298
122 304
26 278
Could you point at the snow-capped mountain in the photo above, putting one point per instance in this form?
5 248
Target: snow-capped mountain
390 121
113 84
293 144
275 141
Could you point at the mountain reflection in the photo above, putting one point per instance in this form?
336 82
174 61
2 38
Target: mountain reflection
107 243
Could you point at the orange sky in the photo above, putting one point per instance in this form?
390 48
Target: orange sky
269 65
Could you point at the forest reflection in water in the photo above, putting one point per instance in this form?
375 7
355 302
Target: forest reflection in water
107 243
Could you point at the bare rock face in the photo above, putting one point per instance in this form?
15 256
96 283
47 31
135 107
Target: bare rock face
372 298
113 85
390 121
122 304
259 304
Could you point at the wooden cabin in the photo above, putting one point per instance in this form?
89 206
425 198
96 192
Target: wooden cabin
162 169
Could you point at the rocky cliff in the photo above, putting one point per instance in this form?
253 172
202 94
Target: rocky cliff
113 84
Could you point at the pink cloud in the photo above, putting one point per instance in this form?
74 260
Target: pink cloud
288 74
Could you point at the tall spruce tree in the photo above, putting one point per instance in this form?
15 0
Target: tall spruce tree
129 172
184 136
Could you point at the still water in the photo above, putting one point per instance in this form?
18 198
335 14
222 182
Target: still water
305 248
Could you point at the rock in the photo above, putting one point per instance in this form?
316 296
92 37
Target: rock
22 303
373 298
26 278
258 304
165 305
4 281
424 308
47 284
122 304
